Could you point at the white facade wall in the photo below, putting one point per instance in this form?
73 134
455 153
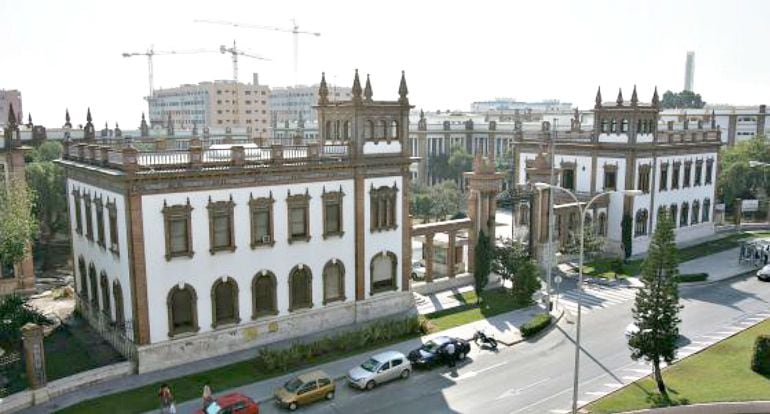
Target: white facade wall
382 147
616 138
383 241
582 170
116 266
242 265
615 206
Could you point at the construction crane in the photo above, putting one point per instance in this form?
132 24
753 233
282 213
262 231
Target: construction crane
293 30
152 52
235 52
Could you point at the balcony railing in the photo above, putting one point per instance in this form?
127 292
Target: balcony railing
132 160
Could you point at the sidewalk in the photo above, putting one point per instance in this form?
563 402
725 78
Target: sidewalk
503 327
719 266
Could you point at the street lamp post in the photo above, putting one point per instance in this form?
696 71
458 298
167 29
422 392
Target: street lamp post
583 210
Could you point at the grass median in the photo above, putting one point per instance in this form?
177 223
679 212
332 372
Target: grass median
143 399
720 373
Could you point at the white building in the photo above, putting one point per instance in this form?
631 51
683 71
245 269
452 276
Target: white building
201 252
292 103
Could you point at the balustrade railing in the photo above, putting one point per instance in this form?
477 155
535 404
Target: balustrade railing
159 158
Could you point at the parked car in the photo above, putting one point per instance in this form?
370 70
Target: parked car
418 271
380 368
231 403
305 389
764 274
432 352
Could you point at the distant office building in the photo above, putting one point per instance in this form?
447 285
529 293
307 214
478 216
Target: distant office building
220 103
286 103
510 104
738 123
689 71
8 98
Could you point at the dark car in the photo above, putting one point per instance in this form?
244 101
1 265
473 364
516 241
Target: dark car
231 403
433 352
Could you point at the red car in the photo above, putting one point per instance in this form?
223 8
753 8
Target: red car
235 403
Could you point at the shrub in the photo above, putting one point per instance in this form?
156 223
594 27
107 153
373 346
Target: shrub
536 324
692 277
283 359
616 265
760 361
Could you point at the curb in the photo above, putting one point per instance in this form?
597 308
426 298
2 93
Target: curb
711 282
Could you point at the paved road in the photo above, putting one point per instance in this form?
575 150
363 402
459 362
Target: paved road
537 377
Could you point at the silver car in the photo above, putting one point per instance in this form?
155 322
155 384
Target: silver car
380 368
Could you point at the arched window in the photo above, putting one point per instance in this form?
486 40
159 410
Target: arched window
672 211
393 129
300 288
328 131
105 285
224 302
334 281
624 125
639 126
640 224
602 224
83 278
685 215
695 212
706 210
604 125
120 316
369 129
263 292
337 130
383 133
182 310
383 272
94 287
613 126
346 131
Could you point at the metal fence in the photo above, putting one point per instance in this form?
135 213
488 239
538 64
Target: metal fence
120 337
13 377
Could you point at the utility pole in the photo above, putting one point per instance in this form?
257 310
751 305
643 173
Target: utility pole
550 252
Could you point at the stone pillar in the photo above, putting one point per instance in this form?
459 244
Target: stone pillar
484 185
277 152
196 157
105 154
130 164
160 144
237 155
428 246
450 254
34 356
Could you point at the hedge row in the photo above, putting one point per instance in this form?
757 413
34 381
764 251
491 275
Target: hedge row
284 359
760 361
536 324
692 277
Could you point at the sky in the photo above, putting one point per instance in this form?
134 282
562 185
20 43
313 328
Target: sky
67 54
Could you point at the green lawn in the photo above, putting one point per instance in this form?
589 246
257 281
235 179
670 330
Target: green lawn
186 388
493 302
720 373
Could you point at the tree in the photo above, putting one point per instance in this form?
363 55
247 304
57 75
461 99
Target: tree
446 198
526 281
656 308
17 223
15 313
47 151
509 257
47 181
482 262
626 225
684 99
460 161
738 180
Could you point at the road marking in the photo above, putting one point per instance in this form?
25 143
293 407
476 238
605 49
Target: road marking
596 393
560 411
706 343
613 385
630 378
639 370
718 338
517 391
471 374
755 318
695 348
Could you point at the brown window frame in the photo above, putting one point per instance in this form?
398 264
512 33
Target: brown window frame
393 278
173 213
112 216
383 208
89 218
641 219
104 290
330 200
709 171
292 300
218 209
675 172
172 332
215 322
78 211
261 205
698 175
695 216
663 186
298 201
610 169
273 309
644 178
100 236
340 283
687 178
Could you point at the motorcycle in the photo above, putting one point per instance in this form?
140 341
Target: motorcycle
486 341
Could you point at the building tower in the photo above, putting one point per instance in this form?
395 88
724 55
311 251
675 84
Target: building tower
689 71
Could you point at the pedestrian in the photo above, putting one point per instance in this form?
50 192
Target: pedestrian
450 354
164 394
207 398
